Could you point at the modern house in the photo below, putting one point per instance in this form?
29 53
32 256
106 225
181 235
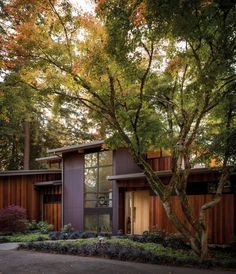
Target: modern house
102 190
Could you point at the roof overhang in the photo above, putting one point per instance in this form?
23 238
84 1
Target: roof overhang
29 172
139 175
163 173
53 158
79 147
48 183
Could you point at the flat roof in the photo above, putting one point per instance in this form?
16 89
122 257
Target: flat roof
76 147
162 173
29 172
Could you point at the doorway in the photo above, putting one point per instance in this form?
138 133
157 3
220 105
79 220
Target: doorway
136 211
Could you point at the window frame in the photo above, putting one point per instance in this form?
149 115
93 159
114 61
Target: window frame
97 193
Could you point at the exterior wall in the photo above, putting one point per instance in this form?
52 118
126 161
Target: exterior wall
73 190
19 190
221 217
52 209
161 163
122 164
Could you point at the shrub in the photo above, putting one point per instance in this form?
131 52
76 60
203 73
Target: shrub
105 235
64 236
54 235
45 227
128 252
175 241
232 244
32 225
75 235
13 219
85 235
40 239
4 239
67 228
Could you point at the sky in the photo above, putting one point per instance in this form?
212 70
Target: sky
86 5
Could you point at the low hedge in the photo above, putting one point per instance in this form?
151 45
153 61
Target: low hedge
127 250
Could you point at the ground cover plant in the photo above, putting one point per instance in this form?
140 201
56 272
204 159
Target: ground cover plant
24 237
129 250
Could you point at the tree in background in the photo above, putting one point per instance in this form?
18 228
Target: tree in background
31 120
151 74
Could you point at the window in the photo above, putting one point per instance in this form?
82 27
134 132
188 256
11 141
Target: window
52 198
98 190
97 222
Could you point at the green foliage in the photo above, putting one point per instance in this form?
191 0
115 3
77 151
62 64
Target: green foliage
25 237
44 227
67 228
127 250
33 225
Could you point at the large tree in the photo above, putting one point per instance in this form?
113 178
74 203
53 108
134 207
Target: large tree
151 73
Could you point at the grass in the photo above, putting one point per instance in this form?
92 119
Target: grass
25 237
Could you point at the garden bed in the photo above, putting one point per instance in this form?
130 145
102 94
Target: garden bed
23 237
129 250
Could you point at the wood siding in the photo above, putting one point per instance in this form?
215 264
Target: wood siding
160 163
20 190
52 214
221 217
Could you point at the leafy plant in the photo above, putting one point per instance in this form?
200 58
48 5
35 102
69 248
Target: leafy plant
45 227
32 225
128 250
13 219
25 237
54 235
67 228
175 241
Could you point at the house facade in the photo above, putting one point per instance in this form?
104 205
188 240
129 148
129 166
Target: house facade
105 191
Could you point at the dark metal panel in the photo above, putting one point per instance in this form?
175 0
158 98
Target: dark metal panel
123 162
73 196
115 207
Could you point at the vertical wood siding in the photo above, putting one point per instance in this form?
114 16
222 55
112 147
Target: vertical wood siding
161 163
52 214
221 217
19 190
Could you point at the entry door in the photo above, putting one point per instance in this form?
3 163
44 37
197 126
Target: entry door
137 212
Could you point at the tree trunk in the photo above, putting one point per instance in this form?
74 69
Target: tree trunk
26 126
204 243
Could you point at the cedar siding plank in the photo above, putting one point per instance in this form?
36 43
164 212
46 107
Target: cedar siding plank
221 221
19 189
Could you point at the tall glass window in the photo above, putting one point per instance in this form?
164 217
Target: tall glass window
98 192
